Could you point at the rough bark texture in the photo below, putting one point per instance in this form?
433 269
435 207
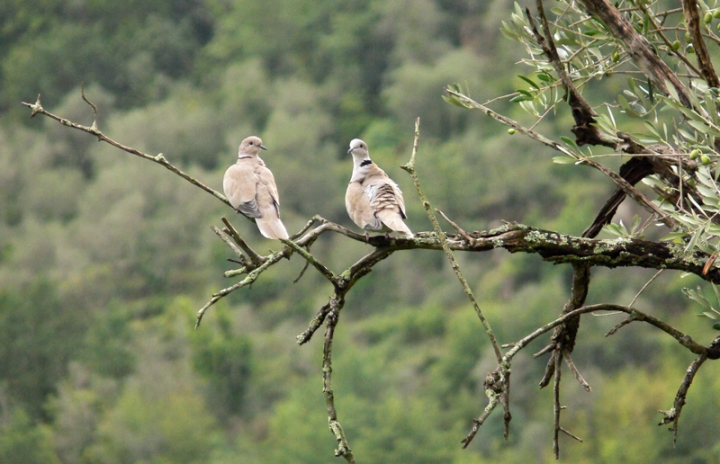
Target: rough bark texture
692 17
561 248
637 46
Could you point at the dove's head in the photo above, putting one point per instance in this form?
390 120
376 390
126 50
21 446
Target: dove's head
251 146
359 149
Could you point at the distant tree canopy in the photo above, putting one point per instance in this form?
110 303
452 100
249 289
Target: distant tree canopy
103 262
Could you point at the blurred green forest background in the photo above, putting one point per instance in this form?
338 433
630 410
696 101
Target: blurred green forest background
105 258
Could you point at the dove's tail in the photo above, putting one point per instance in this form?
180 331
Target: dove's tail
272 227
394 222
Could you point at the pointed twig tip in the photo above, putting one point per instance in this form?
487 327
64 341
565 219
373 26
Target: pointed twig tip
92 105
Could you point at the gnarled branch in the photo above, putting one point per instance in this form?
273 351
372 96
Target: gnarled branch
637 47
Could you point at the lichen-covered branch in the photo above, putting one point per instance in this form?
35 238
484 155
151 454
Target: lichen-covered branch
343 448
515 238
342 284
252 274
494 387
322 269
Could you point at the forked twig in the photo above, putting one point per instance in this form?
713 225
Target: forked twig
255 258
673 414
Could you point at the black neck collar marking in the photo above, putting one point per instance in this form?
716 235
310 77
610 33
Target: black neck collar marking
365 163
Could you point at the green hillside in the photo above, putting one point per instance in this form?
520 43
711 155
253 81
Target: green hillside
105 258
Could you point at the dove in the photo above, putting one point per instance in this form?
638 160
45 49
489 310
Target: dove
373 200
250 188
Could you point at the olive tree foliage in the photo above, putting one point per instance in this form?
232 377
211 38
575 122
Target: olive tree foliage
662 123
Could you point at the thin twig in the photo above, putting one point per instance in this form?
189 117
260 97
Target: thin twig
631 191
159 159
92 105
620 325
556 408
322 269
343 448
307 226
231 244
302 272
563 430
460 230
504 394
568 360
248 280
442 237
644 287
255 258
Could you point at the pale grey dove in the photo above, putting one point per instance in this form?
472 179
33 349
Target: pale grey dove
373 200
250 188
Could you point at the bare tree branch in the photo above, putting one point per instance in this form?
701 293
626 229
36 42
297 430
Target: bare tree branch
343 448
159 159
410 168
443 239
585 130
629 190
573 368
563 338
494 386
248 280
322 269
692 17
255 258
673 414
231 244
710 352
516 238
637 47
556 405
